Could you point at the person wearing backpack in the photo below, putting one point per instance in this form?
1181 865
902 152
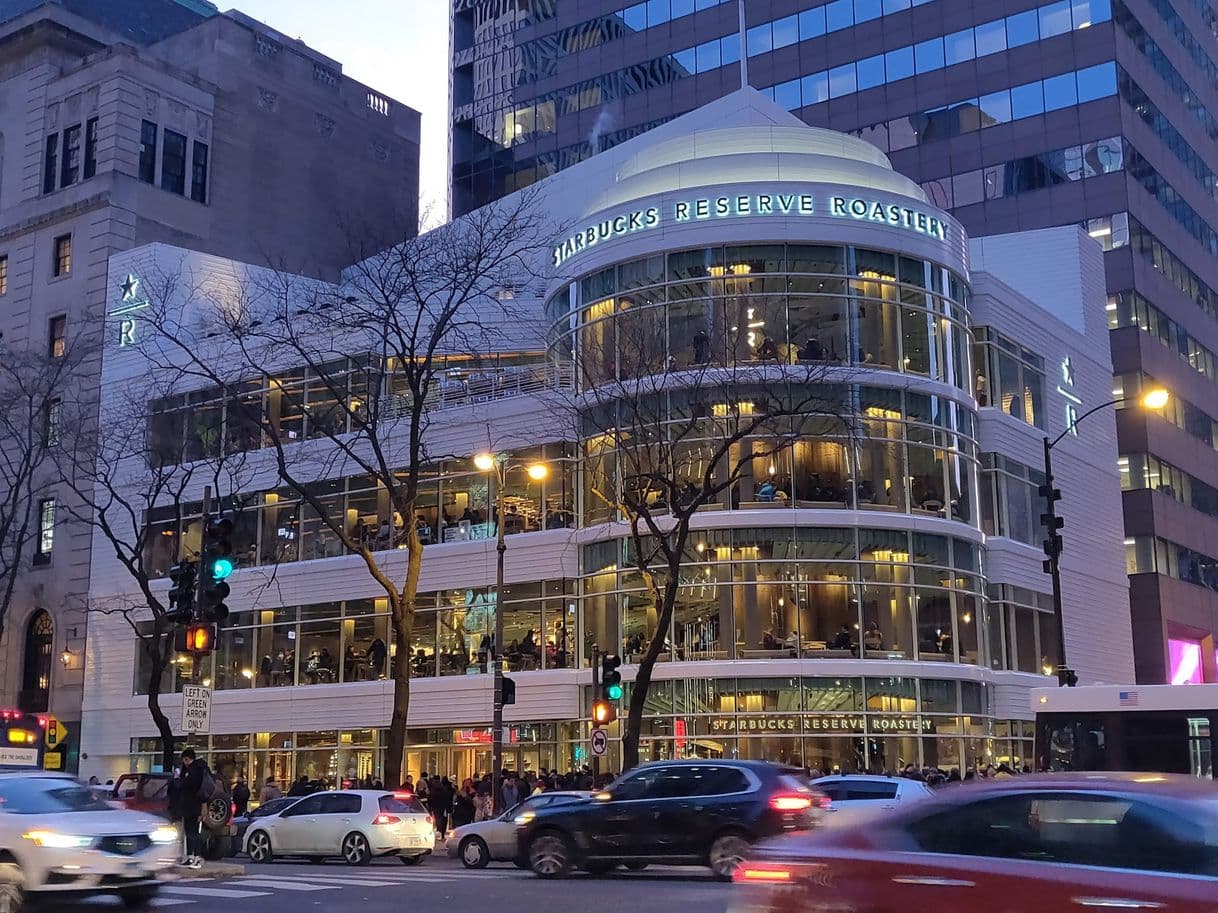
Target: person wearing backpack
195 787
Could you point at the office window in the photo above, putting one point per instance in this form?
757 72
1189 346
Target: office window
815 88
841 81
1022 28
63 255
991 37
57 342
1097 82
840 14
46 529
1027 100
90 148
929 55
812 23
787 94
786 31
173 163
51 165
71 157
1060 92
198 173
870 72
51 429
899 64
148 152
3 273
959 46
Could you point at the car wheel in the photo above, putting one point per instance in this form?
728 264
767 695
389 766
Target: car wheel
356 850
726 854
12 896
474 853
216 848
636 866
258 847
138 898
550 855
411 860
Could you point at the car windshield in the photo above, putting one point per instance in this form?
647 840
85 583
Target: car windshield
40 796
273 807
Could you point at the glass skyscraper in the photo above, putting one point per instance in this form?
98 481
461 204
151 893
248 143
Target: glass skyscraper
1012 115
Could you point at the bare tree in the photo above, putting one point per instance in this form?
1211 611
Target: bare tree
368 357
35 391
119 474
668 434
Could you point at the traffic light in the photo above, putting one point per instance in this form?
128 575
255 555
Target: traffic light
509 691
218 562
182 578
199 639
603 712
611 679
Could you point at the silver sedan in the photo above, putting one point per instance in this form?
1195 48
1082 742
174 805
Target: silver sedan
495 838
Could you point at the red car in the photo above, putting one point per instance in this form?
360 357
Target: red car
1031 844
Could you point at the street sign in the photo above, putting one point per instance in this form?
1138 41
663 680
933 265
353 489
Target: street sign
600 742
57 732
52 760
196 709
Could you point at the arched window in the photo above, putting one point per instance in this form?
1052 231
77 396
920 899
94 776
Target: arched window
36 677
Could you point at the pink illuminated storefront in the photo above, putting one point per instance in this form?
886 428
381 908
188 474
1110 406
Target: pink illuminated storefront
1186 662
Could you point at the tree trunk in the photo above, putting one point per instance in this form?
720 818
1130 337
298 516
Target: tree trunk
403 630
642 678
154 647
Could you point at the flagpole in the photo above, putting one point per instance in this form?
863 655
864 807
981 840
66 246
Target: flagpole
744 51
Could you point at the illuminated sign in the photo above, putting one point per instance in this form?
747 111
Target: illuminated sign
727 206
131 302
848 723
1066 389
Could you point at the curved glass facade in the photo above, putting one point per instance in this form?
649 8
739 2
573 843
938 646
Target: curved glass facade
808 592
782 303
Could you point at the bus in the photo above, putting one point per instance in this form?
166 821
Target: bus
1152 728
22 741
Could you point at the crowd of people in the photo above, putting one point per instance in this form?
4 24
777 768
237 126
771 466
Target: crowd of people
935 777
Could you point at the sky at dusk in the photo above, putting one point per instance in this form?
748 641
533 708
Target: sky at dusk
399 47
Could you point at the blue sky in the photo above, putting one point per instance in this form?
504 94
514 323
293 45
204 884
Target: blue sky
399 47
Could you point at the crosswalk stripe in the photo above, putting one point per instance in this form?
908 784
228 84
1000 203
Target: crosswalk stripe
169 901
279 884
350 882
212 892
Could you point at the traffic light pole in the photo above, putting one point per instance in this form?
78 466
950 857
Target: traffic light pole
198 598
596 692
1052 566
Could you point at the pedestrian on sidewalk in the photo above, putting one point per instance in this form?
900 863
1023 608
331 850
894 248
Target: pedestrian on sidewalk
463 804
270 790
441 803
191 787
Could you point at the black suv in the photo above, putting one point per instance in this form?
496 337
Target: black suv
671 813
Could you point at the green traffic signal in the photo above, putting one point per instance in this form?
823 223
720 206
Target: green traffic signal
614 692
221 568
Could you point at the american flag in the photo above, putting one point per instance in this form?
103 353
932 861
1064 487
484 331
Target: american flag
1129 698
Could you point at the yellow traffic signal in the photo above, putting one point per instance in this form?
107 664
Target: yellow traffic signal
603 712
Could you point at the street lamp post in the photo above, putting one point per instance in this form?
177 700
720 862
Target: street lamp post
498 463
1153 400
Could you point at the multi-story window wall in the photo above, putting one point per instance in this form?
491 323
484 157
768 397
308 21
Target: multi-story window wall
455 503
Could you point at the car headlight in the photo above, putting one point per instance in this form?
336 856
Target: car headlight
525 818
164 834
58 841
455 833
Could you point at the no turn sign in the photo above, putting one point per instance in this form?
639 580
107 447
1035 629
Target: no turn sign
600 742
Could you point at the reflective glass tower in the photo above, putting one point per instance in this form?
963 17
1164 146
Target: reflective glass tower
1012 115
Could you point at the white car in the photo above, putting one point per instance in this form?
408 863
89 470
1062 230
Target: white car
356 824
495 839
59 840
863 791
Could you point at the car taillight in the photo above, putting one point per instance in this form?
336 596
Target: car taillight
791 803
386 819
232 809
822 801
762 873
403 795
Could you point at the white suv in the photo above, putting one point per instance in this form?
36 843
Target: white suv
58 839
356 824
862 791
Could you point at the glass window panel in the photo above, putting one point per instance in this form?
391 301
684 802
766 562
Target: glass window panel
871 72
995 108
839 14
866 10
787 94
708 56
842 81
811 23
729 49
1027 100
786 31
1097 82
990 37
928 55
759 39
815 88
899 63
1060 92
1022 28
959 47
1055 19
